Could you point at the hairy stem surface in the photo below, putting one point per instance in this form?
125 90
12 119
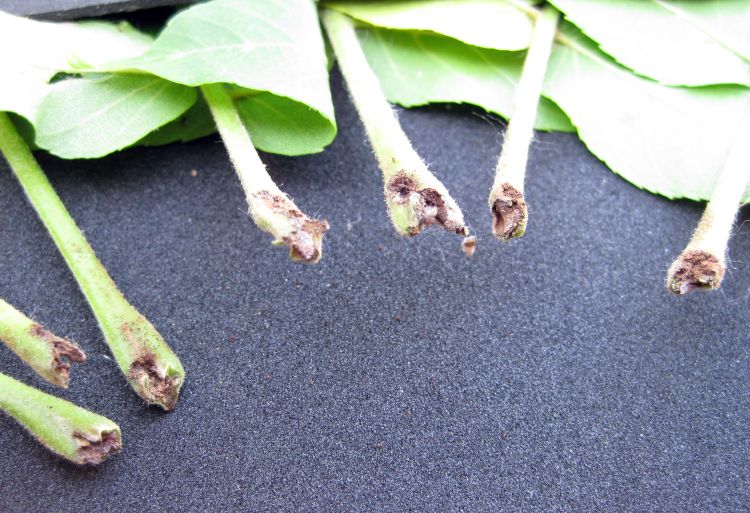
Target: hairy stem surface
702 264
72 432
414 196
48 355
272 210
507 201
152 369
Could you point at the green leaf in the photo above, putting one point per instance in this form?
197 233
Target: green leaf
32 52
669 140
267 46
417 68
284 126
82 117
726 21
92 117
195 123
675 42
276 124
485 23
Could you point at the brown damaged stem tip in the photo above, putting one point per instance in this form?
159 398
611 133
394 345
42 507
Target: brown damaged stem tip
302 234
695 270
509 213
152 384
94 451
64 352
469 245
305 244
428 205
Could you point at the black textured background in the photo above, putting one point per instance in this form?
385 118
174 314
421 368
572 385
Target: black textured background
554 373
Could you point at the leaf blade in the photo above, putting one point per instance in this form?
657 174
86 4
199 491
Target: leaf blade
92 117
678 42
419 68
32 52
482 23
681 135
266 46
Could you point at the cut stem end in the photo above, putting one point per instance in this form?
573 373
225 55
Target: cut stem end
695 270
469 245
154 384
64 353
276 214
93 450
509 213
413 208
76 434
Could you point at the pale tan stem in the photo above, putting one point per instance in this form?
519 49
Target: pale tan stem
414 196
272 210
506 199
49 355
702 263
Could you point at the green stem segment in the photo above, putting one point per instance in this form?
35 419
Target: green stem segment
48 355
414 196
75 434
506 200
702 264
271 210
152 369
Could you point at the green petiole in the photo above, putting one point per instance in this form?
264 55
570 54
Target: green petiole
72 432
506 200
151 368
702 264
414 196
271 210
48 355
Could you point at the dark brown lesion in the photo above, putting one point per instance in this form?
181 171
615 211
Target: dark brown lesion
94 450
695 270
469 245
145 374
428 203
305 239
509 213
152 384
64 353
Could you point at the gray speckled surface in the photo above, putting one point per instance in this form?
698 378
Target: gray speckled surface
551 374
68 9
